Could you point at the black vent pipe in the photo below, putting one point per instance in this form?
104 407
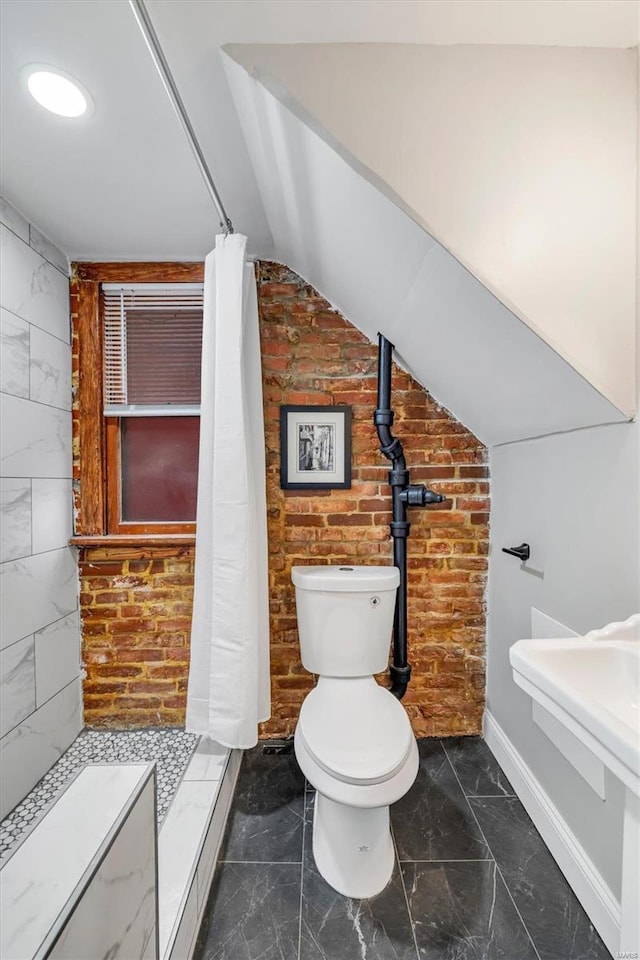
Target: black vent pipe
404 494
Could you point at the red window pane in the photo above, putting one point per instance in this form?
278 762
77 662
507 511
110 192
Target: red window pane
159 468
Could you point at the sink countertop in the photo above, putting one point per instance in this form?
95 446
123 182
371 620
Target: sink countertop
591 684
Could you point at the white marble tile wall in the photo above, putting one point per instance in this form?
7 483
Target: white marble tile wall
57 654
36 439
14 359
117 913
151 949
51 513
18 669
49 370
15 504
15 222
94 854
39 626
32 748
47 250
32 288
36 591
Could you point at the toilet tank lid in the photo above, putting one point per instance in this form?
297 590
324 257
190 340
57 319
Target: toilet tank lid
346 578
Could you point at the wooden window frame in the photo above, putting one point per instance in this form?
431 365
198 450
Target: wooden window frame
98 437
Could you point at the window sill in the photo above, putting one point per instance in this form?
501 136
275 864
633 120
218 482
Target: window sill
135 546
134 540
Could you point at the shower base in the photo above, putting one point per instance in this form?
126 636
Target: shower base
171 749
196 779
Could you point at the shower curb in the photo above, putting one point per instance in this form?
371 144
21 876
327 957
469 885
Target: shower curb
192 834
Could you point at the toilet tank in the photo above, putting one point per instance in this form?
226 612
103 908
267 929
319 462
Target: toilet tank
345 618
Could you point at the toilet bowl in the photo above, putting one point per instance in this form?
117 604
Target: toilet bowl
353 740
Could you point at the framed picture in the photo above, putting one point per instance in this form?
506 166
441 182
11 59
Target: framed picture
315 448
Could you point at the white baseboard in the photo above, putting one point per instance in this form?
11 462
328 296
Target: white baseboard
587 883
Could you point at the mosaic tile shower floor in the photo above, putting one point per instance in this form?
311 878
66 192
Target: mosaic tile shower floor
171 749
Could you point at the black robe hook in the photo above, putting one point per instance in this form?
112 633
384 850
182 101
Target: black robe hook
523 552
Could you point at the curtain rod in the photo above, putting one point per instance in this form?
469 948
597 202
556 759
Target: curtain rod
155 49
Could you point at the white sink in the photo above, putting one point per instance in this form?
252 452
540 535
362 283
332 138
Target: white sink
591 684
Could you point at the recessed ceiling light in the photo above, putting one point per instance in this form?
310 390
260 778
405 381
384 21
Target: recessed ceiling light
56 91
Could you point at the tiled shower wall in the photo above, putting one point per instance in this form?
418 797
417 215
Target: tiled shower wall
41 709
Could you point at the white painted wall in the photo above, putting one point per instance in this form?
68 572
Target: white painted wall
519 160
385 273
41 710
576 499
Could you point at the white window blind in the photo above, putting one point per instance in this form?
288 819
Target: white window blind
152 349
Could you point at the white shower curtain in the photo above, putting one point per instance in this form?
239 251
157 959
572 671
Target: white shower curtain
228 692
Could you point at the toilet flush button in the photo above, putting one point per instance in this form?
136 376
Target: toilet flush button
374 601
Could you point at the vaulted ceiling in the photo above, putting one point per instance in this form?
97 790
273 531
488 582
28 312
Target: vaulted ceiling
122 184
386 273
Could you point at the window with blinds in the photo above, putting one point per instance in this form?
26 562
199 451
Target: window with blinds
152 349
152 357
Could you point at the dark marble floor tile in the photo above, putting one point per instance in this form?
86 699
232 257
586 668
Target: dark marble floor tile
462 911
476 767
253 913
339 928
433 820
265 823
553 916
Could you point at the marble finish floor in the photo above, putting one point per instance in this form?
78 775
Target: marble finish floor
170 748
473 879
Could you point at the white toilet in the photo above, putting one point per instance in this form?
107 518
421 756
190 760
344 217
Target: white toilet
353 741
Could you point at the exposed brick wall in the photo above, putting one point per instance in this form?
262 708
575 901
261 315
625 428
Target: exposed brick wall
136 612
311 355
136 621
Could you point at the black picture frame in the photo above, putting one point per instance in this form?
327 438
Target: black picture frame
315 447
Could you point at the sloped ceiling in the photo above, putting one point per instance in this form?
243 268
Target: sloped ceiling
520 160
386 273
123 185
120 184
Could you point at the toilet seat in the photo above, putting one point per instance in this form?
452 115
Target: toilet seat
355 730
